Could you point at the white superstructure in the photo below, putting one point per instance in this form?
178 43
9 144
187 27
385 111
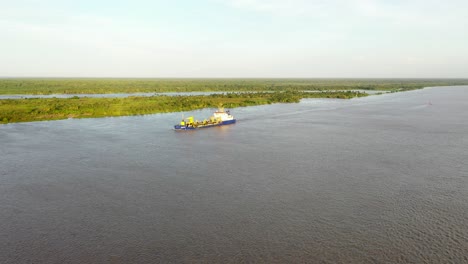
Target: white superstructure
223 115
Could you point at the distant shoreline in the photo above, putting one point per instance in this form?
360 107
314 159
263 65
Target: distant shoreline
47 86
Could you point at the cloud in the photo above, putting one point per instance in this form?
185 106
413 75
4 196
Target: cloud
290 7
397 9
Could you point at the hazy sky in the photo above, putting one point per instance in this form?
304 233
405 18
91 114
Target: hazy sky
234 38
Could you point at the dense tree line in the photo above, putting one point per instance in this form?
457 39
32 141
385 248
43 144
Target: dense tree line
95 86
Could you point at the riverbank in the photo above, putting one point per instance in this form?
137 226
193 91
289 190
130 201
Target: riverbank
41 109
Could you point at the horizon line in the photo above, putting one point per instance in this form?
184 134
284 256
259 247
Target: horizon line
108 77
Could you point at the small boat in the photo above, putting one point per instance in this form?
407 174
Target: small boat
219 118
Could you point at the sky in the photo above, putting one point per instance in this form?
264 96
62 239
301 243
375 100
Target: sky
234 38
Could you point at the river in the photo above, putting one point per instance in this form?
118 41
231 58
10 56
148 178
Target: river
369 180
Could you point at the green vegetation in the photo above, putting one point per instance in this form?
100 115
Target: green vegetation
102 86
37 109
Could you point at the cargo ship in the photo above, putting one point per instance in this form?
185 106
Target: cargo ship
219 118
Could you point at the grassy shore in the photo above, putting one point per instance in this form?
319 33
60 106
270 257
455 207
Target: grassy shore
38 109
103 86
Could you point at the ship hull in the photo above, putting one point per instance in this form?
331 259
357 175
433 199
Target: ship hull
223 123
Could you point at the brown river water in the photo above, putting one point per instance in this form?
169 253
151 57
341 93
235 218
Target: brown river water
381 179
